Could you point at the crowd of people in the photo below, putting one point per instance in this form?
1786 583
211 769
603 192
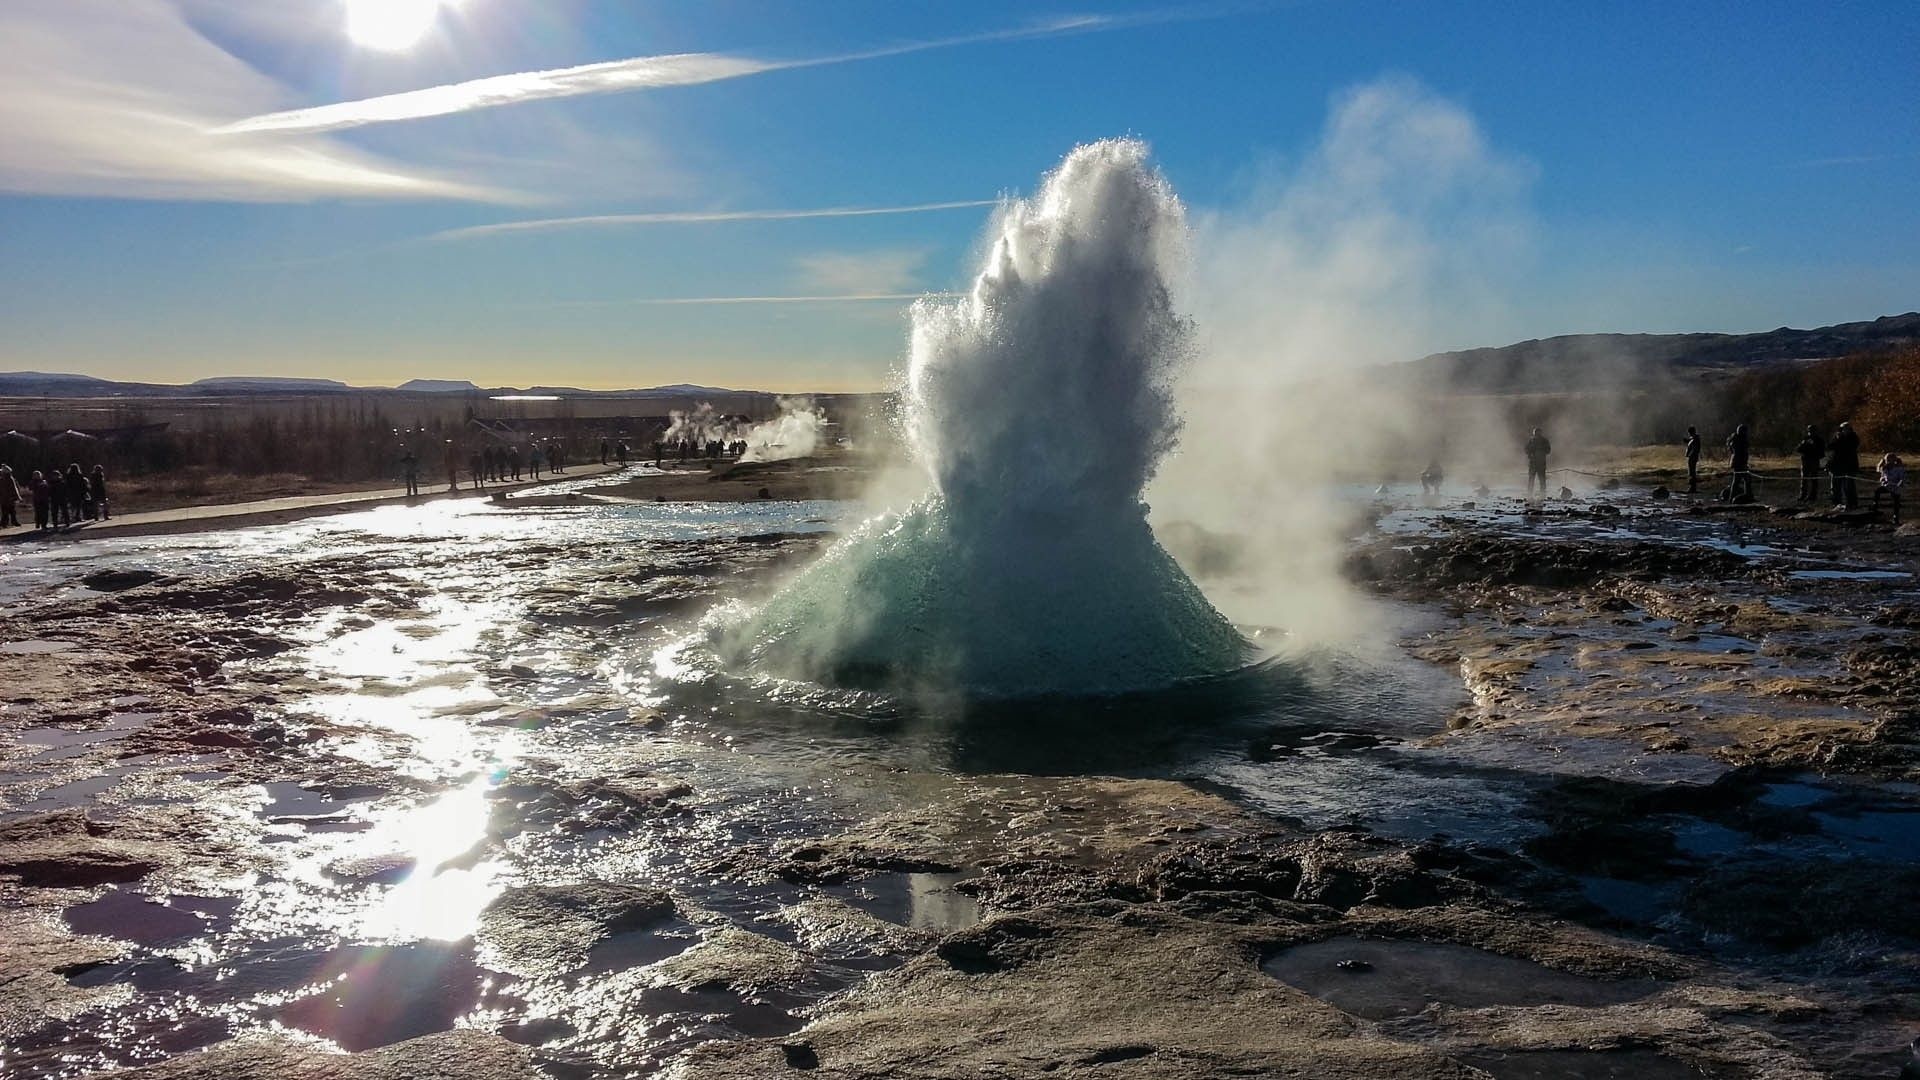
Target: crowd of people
1836 457
61 498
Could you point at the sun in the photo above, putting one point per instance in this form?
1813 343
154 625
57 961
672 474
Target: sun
391 25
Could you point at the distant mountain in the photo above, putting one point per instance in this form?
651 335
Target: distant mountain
1597 361
437 386
44 384
268 384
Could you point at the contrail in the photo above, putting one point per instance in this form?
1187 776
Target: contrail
688 217
640 73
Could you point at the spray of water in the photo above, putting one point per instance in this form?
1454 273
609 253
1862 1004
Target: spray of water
1039 406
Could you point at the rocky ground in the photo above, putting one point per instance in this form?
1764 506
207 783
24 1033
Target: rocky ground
396 807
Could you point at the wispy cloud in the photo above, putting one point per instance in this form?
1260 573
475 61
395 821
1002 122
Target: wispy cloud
638 73
694 217
676 301
1855 159
115 97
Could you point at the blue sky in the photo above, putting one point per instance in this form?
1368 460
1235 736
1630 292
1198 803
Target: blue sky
168 212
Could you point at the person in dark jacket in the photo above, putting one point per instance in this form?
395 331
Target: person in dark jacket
1738 459
79 494
9 498
1693 461
1812 449
57 497
1537 450
1843 464
42 491
97 487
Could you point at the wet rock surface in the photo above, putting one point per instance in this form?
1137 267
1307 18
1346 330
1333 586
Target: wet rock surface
457 797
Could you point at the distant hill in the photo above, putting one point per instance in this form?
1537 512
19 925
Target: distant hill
437 386
269 384
1598 361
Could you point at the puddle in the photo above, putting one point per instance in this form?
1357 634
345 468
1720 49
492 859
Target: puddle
1584 1065
917 901
1404 977
1849 575
75 793
36 647
1881 834
146 920
372 995
288 800
64 743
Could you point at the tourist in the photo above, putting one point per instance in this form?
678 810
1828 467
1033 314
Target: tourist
556 458
535 459
620 452
42 500
606 453
516 462
410 470
79 498
9 498
476 469
1693 461
97 487
1537 450
1893 476
1843 466
1430 478
1812 449
1740 487
57 497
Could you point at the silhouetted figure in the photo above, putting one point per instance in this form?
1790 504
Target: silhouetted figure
1892 478
1812 448
518 463
620 453
1693 461
536 460
410 471
556 461
42 491
9 498
1843 465
1537 450
606 453
79 502
1431 477
685 445
476 469
1738 460
659 451
57 497
97 487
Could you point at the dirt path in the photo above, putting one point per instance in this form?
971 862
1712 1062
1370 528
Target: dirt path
188 519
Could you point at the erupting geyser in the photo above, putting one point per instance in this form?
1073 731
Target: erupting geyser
1040 406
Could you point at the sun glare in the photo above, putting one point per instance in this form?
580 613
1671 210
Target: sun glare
391 25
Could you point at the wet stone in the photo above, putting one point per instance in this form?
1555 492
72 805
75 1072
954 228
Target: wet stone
1402 978
547 929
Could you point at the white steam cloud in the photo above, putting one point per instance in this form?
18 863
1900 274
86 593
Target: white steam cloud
1396 231
795 433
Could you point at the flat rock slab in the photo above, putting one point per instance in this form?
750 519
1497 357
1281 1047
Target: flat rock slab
549 929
